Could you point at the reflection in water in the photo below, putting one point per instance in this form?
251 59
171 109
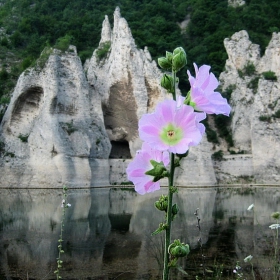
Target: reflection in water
108 232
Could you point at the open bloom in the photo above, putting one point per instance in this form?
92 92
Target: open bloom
274 226
136 170
173 127
248 258
202 94
250 207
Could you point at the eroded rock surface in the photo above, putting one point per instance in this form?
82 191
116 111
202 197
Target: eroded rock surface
53 129
255 102
65 127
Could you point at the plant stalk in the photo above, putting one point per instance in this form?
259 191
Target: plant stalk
165 275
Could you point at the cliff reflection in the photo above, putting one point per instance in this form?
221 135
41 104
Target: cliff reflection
108 231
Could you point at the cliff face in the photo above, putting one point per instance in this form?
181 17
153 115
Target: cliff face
53 129
255 84
78 126
126 79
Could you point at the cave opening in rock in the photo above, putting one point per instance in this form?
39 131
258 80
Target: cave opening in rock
120 149
27 105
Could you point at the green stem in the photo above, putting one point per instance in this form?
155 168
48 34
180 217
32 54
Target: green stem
174 85
168 220
276 254
165 275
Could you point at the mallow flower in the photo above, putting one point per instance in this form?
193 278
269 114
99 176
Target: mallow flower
136 170
202 94
173 127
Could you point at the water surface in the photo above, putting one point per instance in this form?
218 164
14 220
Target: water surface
108 232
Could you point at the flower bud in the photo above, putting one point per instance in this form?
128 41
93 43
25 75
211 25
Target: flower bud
164 63
275 215
169 56
162 203
179 59
167 82
175 209
178 249
248 258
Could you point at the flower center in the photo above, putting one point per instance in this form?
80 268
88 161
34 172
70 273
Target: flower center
171 134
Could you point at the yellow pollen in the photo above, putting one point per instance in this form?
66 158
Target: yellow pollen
170 133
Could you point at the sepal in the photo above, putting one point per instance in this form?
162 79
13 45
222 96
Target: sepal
158 172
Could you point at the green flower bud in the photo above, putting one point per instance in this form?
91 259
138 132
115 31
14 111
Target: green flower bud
167 83
164 63
175 209
178 50
179 59
275 215
178 249
162 203
169 56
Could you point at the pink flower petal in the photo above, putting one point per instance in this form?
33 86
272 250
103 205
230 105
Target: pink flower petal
141 164
180 118
203 95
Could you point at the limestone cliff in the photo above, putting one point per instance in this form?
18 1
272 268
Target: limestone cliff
127 80
53 130
254 81
62 127
78 126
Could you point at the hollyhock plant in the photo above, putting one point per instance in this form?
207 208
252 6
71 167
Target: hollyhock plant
171 127
136 170
202 94
168 133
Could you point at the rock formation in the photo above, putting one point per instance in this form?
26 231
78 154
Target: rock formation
53 132
236 3
254 81
127 81
65 127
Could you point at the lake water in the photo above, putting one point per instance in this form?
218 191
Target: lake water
107 233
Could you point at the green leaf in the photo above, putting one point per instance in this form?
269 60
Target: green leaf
161 228
181 270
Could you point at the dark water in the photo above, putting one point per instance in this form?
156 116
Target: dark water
108 233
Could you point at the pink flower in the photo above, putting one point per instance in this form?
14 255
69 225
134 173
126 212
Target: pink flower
203 96
141 164
172 127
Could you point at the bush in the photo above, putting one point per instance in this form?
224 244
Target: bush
26 63
2 147
4 42
103 50
218 155
4 100
23 138
41 61
277 114
253 84
222 123
265 118
269 75
4 75
249 69
228 91
63 43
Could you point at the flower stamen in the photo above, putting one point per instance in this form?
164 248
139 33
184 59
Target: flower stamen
170 133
